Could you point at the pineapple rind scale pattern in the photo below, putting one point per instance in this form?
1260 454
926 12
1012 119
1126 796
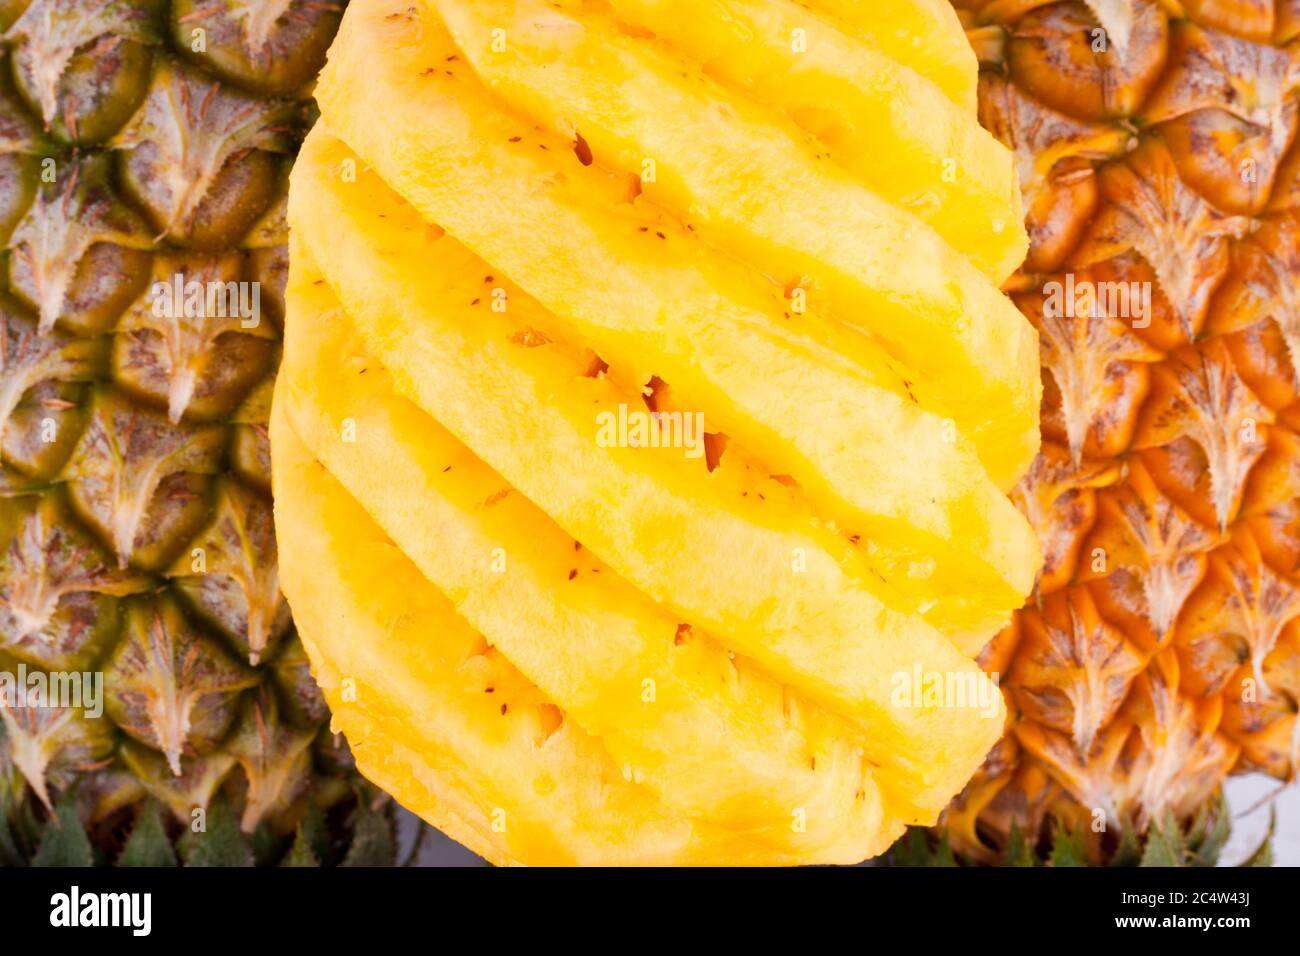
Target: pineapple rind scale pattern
145 146
1156 147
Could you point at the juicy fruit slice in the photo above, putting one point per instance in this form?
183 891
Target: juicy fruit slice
705 731
369 242
530 414
922 34
763 627
747 184
488 739
947 170
663 307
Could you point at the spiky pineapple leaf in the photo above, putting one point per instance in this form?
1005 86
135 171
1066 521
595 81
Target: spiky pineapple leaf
1129 851
1210 832
64 842
943 855
25 824
9 852
301 855
220 843
912 849
1165 843
921 847
267 846
310 841
1263 855
9 855
372 839
148 844
1068 849
1016 852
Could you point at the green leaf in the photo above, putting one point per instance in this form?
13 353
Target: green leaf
315 830
27 821
64 842
943 855
1129 851
301 855
148 844
912 848
1165 844
1263 855
266 845
372 839
10 855
1016 852
1211 832
220 844
1196 833
311 841
1068 849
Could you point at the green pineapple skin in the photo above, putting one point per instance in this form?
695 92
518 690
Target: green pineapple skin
141 143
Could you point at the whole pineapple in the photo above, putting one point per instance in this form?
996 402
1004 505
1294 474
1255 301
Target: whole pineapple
144 151
1162 650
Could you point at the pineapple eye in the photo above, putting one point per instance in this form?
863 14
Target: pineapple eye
268 50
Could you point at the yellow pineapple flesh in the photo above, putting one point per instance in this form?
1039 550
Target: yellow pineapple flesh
484 268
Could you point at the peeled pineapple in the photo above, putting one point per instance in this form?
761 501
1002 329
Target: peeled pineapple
640 444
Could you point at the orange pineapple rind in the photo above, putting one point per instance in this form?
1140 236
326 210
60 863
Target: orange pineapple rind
1190 549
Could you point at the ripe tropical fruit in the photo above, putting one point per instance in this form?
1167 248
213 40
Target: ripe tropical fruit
145 155
1155 144
664 530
